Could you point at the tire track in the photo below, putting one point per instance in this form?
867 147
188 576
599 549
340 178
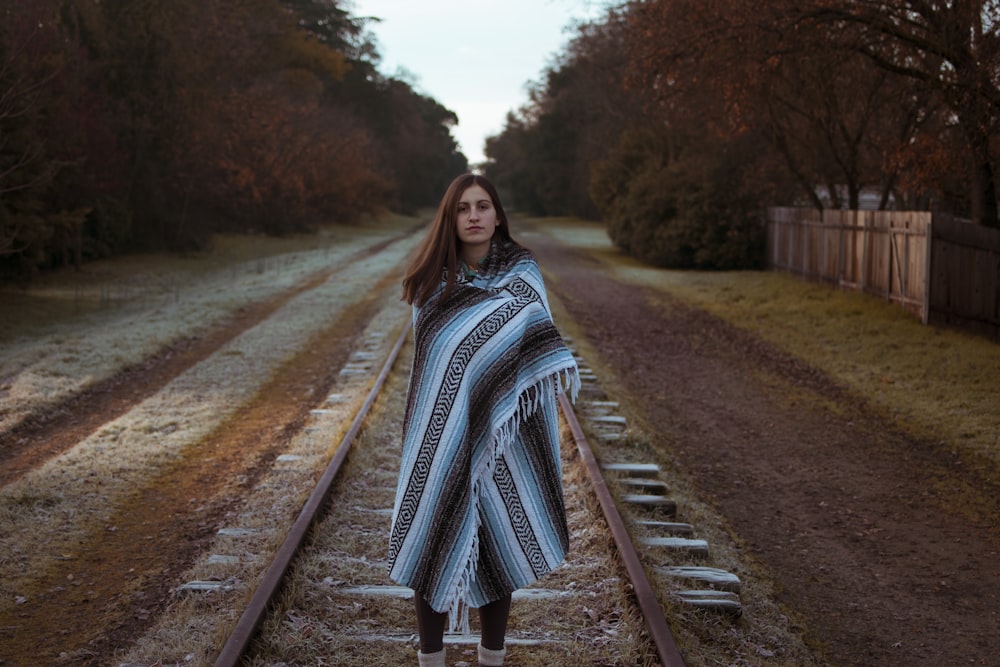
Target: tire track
125 571
47 434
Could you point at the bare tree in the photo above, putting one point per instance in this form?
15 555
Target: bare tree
24 163
951 47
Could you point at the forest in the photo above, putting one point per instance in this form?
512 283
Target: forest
677 122
148 125
141 124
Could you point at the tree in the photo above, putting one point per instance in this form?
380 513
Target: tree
839 122
155 124
949 47
687 207
543 156
732 66
419 151
59 160
28 63
673 175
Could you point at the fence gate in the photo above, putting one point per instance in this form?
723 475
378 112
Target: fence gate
879 252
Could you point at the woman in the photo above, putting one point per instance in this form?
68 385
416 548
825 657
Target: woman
479 508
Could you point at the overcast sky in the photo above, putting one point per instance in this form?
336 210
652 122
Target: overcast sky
473 57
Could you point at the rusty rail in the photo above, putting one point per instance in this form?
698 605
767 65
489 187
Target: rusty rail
249 621
649 605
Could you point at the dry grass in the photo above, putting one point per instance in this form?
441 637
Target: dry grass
197 624
936 383
47 512
67 331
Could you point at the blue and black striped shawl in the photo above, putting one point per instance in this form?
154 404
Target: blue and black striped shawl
479 505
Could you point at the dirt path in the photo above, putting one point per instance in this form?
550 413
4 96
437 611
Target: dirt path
57 428
125 572
125 576
884 547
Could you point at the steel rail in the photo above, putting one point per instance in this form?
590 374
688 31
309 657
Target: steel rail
239 640
649 605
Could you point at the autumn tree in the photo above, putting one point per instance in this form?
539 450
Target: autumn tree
835 119
59 160
951 48
417 147
279 154
156 124
839 123
543 156
512 164
28 64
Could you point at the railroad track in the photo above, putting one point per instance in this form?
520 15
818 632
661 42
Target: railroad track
326 596
593 610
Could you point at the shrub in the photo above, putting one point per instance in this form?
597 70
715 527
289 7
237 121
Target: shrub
107 228
688 212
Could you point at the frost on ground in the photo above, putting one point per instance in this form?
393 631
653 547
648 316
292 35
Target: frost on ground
45 513
43 364
194 623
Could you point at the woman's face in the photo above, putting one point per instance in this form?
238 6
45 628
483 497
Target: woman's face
477 220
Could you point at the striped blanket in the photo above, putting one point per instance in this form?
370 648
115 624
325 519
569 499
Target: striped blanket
479 506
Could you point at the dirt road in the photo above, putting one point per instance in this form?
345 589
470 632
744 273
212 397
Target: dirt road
883 546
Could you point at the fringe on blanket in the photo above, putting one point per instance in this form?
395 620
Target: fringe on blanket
528 402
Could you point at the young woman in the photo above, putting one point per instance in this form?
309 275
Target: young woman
479 507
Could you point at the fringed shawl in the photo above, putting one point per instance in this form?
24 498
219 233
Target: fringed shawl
479 506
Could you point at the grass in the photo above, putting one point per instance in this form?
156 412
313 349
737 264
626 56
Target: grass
50 509
145 279
936 383
69 330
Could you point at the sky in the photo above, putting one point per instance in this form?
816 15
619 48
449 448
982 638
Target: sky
474 58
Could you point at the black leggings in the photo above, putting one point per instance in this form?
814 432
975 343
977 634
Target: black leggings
492 618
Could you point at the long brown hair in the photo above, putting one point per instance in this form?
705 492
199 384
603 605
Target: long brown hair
439 250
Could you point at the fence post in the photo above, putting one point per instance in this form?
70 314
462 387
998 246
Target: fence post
793 246
775 222
841 252
890 230
904 272
824 238
864 250
925 311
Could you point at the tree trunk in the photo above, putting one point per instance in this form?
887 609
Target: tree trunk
78 246
975 122
887 189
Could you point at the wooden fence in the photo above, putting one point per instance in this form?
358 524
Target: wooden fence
942 269
964 275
